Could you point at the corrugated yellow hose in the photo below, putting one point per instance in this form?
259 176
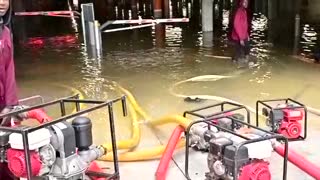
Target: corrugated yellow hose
74 91
130 143
148 153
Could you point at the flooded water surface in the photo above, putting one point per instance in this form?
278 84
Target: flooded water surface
150 61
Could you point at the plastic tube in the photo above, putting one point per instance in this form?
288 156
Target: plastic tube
74 91
299 161
167 155
184 122
136 135
143 154
134 103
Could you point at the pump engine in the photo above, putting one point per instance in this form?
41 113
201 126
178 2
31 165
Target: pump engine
61 151
286 121
250 160
201 134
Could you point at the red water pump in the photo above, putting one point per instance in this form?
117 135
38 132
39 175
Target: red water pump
288 119
250 160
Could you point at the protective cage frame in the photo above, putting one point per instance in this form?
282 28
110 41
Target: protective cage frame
221 112
287 100
70 99
208 121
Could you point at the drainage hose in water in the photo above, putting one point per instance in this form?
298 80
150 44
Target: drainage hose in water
130 143
299 161
143 154
165 159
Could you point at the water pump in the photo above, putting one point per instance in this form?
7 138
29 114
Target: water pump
288 119
250 161
61 151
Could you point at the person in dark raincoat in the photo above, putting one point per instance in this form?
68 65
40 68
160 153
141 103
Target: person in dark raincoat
240 31
8 89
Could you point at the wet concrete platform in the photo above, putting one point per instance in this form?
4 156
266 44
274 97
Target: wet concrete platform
146 170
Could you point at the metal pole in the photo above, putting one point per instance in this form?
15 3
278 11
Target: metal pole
83 25
98 41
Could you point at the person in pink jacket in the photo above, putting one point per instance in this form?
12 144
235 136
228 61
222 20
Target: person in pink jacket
8 89
240 31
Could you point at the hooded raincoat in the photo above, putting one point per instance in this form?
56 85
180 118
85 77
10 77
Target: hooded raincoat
240 30
8 89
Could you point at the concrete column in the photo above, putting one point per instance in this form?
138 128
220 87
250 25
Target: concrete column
207 15
157 9
207 39
160 30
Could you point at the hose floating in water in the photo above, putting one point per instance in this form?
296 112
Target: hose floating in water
148 153
167 155
180 120
130 143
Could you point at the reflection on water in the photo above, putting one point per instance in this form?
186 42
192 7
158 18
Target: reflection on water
308 40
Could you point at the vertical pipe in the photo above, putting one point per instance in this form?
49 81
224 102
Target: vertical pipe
113 138
63 108
27 154
97 33
157 10
83 25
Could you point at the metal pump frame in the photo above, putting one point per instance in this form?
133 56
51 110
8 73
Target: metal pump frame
208 120
70 99
237 107
287 100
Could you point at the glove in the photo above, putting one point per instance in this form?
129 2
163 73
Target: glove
6 121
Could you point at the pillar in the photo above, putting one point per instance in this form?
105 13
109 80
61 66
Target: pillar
157 10
166 6
296 34
207 15
160 33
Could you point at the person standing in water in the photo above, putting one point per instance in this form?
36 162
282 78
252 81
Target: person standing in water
8 89
240 32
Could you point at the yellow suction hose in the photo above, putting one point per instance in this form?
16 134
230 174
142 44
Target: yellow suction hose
136 135
74 91
147 153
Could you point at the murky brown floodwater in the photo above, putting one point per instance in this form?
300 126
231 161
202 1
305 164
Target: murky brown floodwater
149 67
